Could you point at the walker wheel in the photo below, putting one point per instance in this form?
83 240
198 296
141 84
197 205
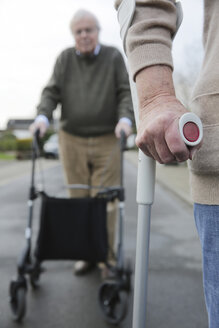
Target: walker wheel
35 274
113 301
17 301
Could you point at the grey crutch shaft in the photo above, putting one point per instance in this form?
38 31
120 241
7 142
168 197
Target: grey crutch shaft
145 198
141 268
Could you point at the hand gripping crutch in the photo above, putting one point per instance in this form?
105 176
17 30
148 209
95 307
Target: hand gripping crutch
190 128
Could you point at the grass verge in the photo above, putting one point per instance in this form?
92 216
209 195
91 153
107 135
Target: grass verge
7 156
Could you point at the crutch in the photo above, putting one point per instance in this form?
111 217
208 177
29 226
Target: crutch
146 184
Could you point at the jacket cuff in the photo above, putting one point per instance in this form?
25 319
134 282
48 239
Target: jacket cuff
42 118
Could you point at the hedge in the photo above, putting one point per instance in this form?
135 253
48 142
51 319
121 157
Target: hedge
8 142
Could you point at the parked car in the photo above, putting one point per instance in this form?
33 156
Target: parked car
51 147
130 142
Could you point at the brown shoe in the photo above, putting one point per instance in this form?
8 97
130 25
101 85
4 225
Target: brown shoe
82 267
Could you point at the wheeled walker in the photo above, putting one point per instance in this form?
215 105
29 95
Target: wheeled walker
51 245
113 293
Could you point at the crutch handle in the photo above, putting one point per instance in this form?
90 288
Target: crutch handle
191 129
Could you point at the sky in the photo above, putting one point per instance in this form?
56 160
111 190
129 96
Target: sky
34 32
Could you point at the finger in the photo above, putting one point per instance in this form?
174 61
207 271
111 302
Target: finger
164 152
154 154
148 149
32 127
129 131
117 133
179 150
175 143
126 128
42 128
42 131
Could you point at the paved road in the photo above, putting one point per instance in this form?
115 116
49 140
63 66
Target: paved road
175 297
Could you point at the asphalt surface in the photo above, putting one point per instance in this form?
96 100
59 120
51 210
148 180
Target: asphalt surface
175 296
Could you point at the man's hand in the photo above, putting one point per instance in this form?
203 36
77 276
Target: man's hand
159 113
158 132
123 126
38 125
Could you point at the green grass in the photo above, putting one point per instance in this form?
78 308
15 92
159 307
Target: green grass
7 156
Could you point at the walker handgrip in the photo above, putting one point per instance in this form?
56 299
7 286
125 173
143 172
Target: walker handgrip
123 139
37 134
191 130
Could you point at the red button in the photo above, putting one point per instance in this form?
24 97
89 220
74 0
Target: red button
191 131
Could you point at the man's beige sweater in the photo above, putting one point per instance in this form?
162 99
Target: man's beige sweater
149 42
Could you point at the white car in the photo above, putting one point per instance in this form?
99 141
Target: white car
51 147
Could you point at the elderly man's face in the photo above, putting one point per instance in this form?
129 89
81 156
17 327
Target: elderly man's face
85 33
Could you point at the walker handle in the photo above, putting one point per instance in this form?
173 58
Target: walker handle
123 139
35 143
37 134
191 129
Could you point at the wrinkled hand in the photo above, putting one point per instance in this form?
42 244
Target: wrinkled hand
158 132
40 125
123 126
159 113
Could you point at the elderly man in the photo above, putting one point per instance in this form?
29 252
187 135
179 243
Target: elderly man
90 82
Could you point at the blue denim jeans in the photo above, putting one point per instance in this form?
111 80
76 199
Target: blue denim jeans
207 222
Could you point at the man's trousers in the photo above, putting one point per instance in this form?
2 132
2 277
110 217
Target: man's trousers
93 161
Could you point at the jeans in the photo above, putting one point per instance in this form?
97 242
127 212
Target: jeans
207 223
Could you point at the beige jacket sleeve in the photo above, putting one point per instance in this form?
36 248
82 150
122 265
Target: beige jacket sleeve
149 38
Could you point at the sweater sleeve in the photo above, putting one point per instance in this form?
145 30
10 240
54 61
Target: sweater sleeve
123 93
149 38
51 94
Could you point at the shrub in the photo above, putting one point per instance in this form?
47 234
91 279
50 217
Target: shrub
24 144
8 142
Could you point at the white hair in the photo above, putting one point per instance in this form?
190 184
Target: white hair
82 13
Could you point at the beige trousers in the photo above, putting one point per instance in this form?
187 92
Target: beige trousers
93 161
